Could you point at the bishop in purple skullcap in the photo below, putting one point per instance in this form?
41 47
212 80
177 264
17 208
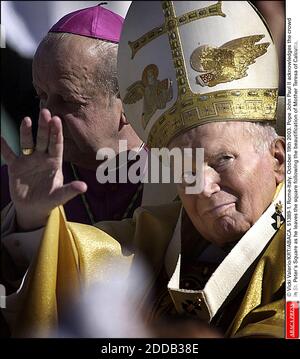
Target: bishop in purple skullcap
94 21
102 201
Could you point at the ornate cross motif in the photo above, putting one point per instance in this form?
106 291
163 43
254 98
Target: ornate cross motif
213 10
192 108
191 307
184 109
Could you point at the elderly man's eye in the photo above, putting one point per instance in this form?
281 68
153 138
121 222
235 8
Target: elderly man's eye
226 158
74 102
223 161
68 100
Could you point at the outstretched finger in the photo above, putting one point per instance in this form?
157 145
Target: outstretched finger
26 139
68 192
55 148
7 153
42 139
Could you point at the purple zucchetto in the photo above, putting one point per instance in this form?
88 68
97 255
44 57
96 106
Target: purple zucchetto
94 21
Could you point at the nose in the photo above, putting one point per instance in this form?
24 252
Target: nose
211 180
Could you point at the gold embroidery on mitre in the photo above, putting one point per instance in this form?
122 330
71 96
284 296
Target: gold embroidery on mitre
228 62
193 109
156 93
197 14
226 105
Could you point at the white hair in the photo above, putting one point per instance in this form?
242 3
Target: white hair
263 134
106 71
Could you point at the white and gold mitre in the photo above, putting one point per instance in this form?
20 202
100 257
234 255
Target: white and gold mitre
186 63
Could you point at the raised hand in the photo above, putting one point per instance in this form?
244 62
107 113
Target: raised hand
35 177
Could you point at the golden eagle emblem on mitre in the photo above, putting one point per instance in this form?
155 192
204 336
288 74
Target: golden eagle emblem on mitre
228 62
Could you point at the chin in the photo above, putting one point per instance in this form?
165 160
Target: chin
229 230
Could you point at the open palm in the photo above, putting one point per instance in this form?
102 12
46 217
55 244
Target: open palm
36 180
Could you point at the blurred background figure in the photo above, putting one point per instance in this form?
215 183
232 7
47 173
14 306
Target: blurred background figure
109 309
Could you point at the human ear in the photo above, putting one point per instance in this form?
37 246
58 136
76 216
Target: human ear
122 117
278 153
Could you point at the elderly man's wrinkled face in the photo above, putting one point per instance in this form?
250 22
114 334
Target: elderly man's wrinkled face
239 180
63 76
